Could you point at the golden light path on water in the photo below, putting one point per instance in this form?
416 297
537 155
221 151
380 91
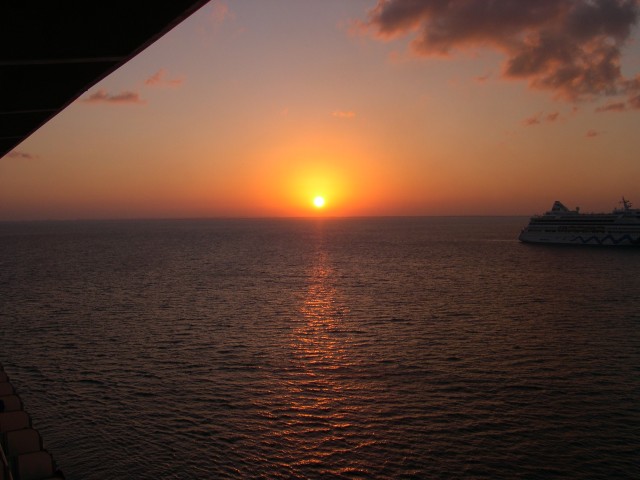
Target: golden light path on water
324 398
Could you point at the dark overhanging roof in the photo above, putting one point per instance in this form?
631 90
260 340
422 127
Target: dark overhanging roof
52 51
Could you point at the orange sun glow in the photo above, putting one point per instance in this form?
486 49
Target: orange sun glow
318 202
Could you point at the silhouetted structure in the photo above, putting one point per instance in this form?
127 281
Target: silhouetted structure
52 52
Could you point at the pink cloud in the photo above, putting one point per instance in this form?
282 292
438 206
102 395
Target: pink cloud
571 48
592 134
122 98
159 79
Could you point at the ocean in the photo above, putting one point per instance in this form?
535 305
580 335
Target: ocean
375 348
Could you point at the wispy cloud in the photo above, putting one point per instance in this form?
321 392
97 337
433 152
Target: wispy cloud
632 102
343 114
482 78
219 11
22 155
130 97
159 79
122 98
552 117
592 133
612 107
539 118
571 48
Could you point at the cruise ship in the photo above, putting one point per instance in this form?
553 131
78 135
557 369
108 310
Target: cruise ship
562 226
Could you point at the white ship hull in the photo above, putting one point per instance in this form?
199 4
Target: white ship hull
599 239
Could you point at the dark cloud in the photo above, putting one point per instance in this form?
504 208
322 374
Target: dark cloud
569 47
102 96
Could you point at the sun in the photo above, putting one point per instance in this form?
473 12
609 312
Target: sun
318 202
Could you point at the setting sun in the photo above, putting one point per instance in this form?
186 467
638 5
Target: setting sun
318 202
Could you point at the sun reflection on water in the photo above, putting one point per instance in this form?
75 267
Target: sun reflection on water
317 340
321 390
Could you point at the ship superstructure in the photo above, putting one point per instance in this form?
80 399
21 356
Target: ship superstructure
561 225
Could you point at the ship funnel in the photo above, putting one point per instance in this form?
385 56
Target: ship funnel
559 207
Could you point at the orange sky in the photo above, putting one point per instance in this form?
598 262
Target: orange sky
254 108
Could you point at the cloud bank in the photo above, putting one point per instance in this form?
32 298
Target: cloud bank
571 48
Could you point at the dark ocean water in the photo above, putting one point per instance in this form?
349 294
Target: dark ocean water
336 348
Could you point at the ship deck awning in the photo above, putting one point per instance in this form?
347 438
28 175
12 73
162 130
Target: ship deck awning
51 52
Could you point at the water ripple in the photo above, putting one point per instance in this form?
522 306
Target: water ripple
362 348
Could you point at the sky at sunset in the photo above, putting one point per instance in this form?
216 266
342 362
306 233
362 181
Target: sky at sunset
397 107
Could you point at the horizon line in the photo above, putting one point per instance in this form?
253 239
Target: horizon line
309 217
